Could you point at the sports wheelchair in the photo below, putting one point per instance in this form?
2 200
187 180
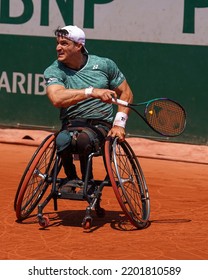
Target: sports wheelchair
123 173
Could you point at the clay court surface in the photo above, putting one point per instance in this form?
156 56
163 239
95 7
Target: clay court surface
176 175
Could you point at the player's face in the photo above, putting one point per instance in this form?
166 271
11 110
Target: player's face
66 49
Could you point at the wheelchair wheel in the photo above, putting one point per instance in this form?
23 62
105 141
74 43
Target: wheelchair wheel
128 181
35 179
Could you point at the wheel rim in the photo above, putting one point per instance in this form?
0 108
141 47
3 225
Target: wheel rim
128 182
35 181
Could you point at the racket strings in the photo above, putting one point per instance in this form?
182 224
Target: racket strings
166 116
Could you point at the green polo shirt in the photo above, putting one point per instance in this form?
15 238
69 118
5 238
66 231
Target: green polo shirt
98 72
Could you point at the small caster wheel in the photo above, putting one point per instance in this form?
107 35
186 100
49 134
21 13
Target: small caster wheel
87 223
100 212
44 221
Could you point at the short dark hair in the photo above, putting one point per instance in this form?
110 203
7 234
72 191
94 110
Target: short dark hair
61 32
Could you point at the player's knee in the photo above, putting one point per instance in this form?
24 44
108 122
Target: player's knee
63 140
84 144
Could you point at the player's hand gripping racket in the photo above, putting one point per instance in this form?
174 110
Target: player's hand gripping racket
163 115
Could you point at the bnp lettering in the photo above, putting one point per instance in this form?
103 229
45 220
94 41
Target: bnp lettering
189 14
66 8
21 83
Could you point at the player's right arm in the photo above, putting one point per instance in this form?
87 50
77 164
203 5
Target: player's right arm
61 97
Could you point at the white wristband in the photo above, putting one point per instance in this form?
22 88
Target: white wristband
88 91
120 119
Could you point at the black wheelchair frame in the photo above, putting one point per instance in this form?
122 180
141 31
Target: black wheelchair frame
123 173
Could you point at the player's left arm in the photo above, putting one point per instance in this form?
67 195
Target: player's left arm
123 92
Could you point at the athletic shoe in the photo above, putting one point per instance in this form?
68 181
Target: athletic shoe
69 186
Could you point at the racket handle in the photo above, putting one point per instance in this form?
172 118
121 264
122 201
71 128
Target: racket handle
120 102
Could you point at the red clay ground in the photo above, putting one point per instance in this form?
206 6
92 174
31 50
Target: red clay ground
178 222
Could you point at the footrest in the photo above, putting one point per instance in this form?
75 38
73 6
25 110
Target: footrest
67 189
72 196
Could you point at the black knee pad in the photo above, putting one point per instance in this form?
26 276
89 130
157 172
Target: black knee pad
84 143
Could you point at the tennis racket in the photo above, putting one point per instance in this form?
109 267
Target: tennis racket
163 115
